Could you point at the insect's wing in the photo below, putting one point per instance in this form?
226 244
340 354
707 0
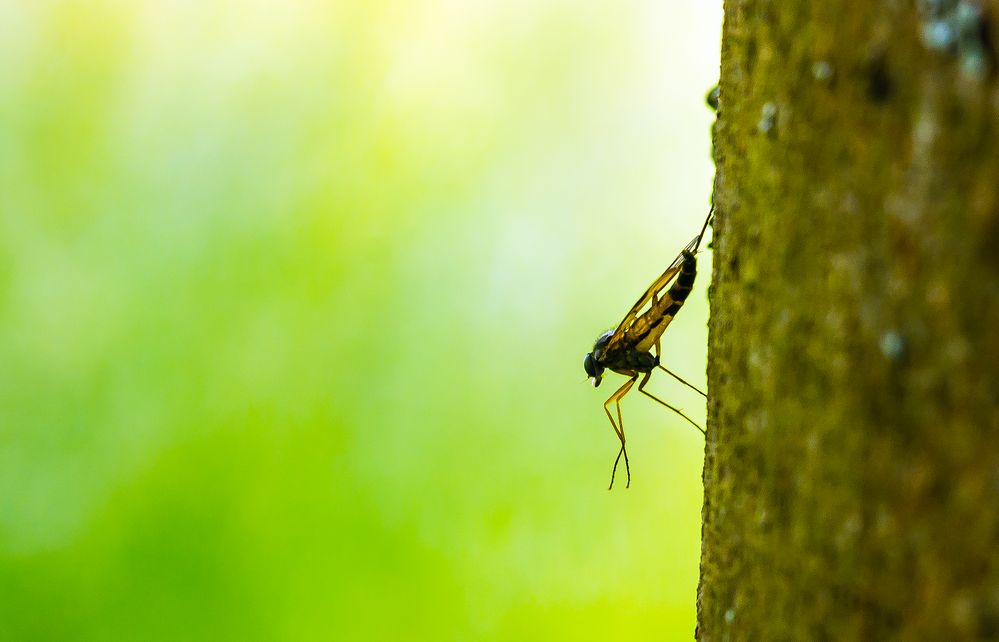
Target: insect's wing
656 290
641 328
647 328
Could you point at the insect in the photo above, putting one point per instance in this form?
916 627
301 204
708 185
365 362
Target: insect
627 349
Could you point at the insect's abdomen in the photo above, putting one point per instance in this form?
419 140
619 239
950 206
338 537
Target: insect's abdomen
647 329
684 282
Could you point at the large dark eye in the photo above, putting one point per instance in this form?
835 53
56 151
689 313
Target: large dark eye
588 365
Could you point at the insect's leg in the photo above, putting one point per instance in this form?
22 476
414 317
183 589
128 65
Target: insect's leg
641 389
617 459
619 426
623 451
676 376
680 379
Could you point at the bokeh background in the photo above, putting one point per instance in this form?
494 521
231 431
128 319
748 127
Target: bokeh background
293 303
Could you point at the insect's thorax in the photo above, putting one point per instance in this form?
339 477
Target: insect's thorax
628 360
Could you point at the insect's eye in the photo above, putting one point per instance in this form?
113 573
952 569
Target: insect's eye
593 369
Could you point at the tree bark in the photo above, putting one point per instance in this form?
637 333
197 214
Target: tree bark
852 465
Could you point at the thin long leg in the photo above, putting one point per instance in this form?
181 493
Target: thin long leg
619 426
617 459
676 376
641 389
680 379
623 451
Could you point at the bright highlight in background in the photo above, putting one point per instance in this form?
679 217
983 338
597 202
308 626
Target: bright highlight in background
293 303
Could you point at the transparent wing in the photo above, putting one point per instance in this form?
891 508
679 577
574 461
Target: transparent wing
640 327
647 328
650 298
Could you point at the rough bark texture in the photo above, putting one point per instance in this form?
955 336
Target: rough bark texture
852 470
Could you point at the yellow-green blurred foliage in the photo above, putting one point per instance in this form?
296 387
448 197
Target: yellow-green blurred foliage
293 303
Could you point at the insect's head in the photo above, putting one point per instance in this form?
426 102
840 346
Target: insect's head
593 369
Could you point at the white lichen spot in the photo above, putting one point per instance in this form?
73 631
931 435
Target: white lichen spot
729 616
924 132
958 28
967 17
975 64
768 118
822 71
939 35
892 345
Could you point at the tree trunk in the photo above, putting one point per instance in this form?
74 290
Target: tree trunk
852 469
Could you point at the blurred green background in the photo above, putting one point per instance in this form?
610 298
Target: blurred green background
294 298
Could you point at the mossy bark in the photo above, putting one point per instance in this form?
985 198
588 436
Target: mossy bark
852 469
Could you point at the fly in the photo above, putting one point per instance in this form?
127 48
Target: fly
627 349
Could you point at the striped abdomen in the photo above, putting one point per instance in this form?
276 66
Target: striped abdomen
684 282
647 329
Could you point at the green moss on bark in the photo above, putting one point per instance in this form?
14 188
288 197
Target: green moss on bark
852 469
